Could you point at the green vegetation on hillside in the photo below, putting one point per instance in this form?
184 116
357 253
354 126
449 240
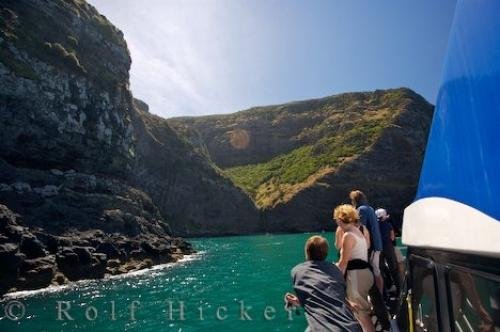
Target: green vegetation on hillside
270 182
292 146
69 58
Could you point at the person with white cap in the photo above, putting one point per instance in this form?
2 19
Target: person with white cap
388 248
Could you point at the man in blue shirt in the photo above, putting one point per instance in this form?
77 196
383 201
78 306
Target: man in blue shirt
368 218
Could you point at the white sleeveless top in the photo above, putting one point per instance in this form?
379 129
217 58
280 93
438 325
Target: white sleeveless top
360 249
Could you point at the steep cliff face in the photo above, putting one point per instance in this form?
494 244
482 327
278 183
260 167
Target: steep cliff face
387 171
64 96
88 177
298 160
65 104
190 191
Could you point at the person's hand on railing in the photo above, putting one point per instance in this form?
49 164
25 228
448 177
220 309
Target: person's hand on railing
291 300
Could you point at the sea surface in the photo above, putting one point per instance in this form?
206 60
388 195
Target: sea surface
231 284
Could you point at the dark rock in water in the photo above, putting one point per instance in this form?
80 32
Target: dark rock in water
39 259
84 254
37 278
80 263
35 263
10 258
148 263
37 273
32 247
59 279
150 249
10 262
67 260
50 242
181 244
138 254
112 263
110 250
101 258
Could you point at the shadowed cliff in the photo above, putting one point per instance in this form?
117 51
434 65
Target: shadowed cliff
90 182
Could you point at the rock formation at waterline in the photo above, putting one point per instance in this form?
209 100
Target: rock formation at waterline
90 182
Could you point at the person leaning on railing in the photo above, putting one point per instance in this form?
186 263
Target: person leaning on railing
321 290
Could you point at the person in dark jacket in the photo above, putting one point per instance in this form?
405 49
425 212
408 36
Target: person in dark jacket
388 251
320 288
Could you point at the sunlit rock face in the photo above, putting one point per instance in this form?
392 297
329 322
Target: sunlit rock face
298 160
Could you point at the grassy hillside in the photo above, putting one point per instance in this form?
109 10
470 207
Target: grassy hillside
274 181
290 146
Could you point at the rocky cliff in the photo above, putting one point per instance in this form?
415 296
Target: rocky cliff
191 193
90 182
298 160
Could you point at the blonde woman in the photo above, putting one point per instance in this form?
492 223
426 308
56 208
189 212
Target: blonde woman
353 245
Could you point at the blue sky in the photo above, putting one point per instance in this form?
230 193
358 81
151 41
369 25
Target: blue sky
220 56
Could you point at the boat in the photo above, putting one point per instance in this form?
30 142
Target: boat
452 229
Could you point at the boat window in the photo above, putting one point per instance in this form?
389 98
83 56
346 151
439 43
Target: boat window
475 301
424 298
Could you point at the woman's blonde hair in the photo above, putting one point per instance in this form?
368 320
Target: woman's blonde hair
346 213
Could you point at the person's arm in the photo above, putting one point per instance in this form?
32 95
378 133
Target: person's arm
363 216
374 229
348 243
366 234
292 299
392 234
339 233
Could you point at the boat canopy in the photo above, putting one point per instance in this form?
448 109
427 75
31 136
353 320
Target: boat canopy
457 206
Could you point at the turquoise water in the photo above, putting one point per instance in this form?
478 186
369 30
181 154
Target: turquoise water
228 270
